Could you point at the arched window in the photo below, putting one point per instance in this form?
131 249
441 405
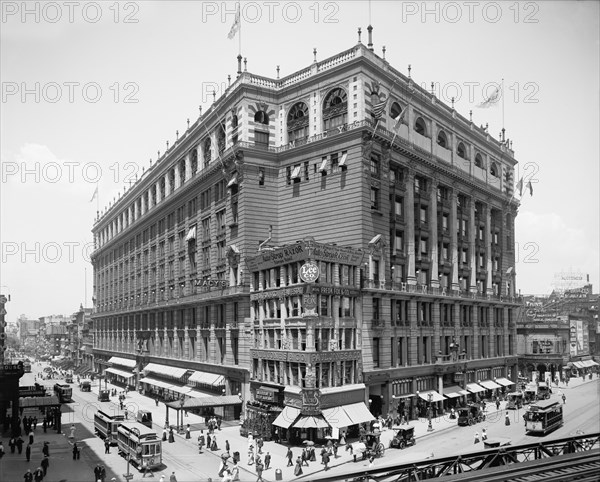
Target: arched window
221 138
442 139
261 117
461 151
181 171
234 126
207 151
395 110
172 180
194 160
420 127
297 122
335 109
479 161
494 170
234 121
163 186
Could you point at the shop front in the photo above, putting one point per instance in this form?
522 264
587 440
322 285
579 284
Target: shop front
262 411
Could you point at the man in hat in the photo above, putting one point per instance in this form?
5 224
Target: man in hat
28 476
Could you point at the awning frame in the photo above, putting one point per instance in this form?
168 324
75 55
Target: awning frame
436 396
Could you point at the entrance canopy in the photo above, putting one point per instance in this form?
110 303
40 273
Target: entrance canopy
308 421
118 372
222 401
124 362
336 417
165 370
504 382
358 413
489 384
435 396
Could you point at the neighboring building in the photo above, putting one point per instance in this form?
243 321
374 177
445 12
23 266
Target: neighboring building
192 294
557 334
28 331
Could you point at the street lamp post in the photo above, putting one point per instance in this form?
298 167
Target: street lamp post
429 400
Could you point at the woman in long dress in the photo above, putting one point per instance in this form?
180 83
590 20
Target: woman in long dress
298 468
235 472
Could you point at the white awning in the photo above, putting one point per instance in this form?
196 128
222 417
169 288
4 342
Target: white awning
296 172
120 373
308 421
504 382
489 384
592 363
579 364
183 390
343 159
198 394
337 417
125 362
454 391
165 370
358 413
191 235
474 388
156 383
232 181
287 417
436 397
211 379
323 167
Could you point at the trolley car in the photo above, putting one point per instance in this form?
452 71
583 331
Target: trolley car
107 425
543 417
141 444
63 392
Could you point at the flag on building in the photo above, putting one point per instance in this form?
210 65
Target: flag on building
492 99
379 109
95 195
236 24
530 187
520 187
399 118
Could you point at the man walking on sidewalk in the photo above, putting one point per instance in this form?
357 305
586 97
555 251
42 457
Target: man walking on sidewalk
290 456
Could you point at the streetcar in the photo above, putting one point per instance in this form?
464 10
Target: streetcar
543 417
106 425
27 366
63 392
141 444
514 400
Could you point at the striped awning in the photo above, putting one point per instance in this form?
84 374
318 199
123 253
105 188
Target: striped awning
211 379
124 362
489 384
309 421
120 373
454 391
165 370
504 382
474 388
287 417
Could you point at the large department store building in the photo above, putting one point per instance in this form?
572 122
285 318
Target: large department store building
347 169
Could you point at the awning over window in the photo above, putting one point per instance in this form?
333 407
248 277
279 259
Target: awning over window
198 394
211 379
120 373
336 417
489 384
592 363
454 391
296 172
222 401
156 383
474 388
436 397
233 180
358 413
579 364
504 382
323 167
165 370
343 159
191 235
182 390
308 421
287 417
124 362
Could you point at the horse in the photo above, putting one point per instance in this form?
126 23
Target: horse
357 448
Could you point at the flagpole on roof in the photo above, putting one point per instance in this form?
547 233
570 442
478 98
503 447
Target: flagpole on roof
503 103
240 38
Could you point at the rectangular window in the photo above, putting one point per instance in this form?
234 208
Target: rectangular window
261 139
375 198
445 222
423 214
423 246
306 170
375 352
261 176
375 164
398 206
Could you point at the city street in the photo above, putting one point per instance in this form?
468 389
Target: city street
182 456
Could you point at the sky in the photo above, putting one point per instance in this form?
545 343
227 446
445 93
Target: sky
92 90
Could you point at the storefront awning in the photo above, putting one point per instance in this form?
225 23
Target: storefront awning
436 397
504 382
182 390
474 388
165 370
124 362
120 373
336 417
454 391
408 395
578 364
592 363
308 421
287 417
489 384
358 413
198 394
156 383
222 401
211 379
